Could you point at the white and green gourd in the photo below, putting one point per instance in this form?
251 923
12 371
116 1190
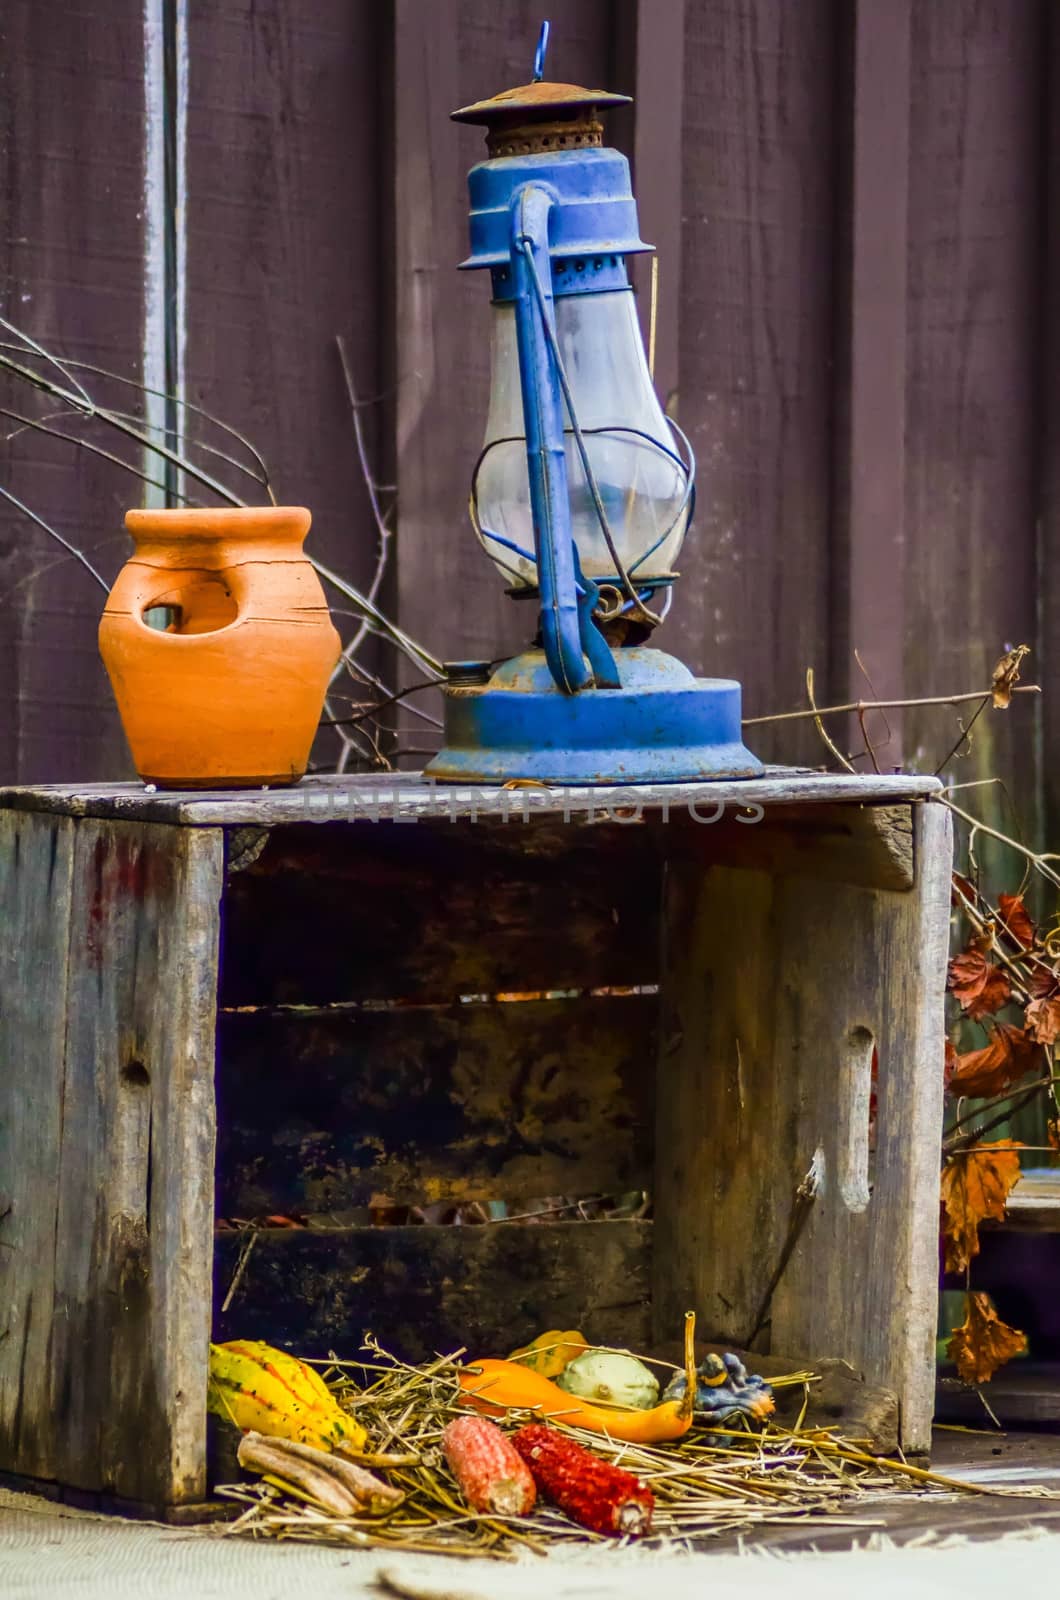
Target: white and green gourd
612 1377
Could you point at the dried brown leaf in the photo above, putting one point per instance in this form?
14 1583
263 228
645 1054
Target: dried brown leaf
981 987
1042 981
1043 1020
1016 918
962 891
983 1342
1010 1054
975 1188
1007 674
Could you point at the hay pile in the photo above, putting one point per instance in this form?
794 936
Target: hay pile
705 1485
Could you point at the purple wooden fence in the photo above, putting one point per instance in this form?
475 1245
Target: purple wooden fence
856 205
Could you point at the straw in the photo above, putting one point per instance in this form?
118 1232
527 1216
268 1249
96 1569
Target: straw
711 1483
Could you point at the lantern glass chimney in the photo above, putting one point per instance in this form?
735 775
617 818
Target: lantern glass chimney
640 477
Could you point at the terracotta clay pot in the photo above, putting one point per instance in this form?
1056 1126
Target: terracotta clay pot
219 646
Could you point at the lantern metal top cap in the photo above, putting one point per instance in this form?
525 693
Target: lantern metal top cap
531 100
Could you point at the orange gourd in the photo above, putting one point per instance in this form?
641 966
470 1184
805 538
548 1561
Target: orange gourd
219 645
495 1387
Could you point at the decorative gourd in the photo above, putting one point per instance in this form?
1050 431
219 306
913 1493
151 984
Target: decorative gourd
263 1390
496 1387
612 1376
551 1352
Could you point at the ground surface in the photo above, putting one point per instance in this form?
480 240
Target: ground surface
966 1546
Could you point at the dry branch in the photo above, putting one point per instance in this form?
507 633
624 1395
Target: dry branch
859 706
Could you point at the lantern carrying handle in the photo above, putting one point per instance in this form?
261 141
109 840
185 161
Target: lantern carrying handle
577 653
541 51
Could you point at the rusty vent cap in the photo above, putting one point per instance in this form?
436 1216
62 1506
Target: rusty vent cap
532 100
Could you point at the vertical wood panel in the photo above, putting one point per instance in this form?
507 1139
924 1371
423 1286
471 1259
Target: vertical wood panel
756 347
35 869
448 54
1049 542
648 42
286 147
448 594
757 1083
133 1233
869 556
974 240
71 273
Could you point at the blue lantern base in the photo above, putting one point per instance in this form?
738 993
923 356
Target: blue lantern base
662 726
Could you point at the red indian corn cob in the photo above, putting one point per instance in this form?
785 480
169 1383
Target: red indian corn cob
492 1475
593 1493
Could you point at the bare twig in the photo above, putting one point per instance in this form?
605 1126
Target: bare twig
966 731
69 367
379 705
31 347
955 1141
40 569
863 669
415 651
879 705
1036 858
82 444
819 725
801 1206
52 534
241 1266
870 749
113 420
371 487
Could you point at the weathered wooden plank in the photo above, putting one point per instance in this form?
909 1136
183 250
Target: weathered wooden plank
1049 452
867 845
974 348
648 48
468 1102
35 868
427 1289
1025 1395
869 511
1034 1204
757 322
131 1318
403 797
442 341
285 237
71 274
433 913
766 1042
447 55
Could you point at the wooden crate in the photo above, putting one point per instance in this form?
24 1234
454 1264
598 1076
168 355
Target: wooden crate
229 1006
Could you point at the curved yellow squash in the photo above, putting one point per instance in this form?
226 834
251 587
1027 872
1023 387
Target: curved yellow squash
259 1388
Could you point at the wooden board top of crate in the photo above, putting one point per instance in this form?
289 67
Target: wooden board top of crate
408 797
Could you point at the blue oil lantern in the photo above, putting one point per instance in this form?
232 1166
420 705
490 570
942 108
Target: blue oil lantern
583 491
